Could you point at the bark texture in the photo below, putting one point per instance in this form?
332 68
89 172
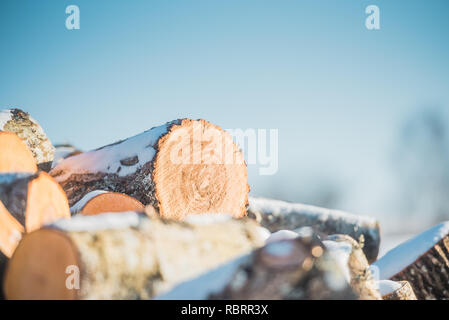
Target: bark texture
429 275
130 256
13 193
361 279
278 215
138 184
405 292
27 129
179 168
288 269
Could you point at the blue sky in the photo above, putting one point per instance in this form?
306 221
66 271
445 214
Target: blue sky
336 91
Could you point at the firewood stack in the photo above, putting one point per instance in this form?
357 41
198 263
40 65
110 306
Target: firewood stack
166 214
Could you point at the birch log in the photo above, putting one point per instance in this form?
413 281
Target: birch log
276 215
396 290
29 130
287 269
349 255
123 256
183 167
423 261
100 201
63 151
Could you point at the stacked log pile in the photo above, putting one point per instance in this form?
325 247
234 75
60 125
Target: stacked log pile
166 214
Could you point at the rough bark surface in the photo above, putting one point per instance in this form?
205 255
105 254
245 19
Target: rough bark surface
13 193
288 269
361 279
136 257
32 134
429 275
3 261
278 215
405 292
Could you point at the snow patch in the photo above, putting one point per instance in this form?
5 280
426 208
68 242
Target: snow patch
282 235
107 159
388 286
405 254
264 233
340 252
77 207
103 221
202 287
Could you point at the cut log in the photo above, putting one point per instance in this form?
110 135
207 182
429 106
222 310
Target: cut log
63 151
349 256
100 201
396 290
183 167
29 130
122 256
27 201
423 261
277 215
286 269
15 156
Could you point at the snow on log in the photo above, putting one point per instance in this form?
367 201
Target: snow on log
423 261
63 151
29 130
287 269
349 256
122 256
396 290
15 156
100 201
27 201
276 215
182 167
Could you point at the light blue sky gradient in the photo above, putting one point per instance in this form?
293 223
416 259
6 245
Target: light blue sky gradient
336 91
